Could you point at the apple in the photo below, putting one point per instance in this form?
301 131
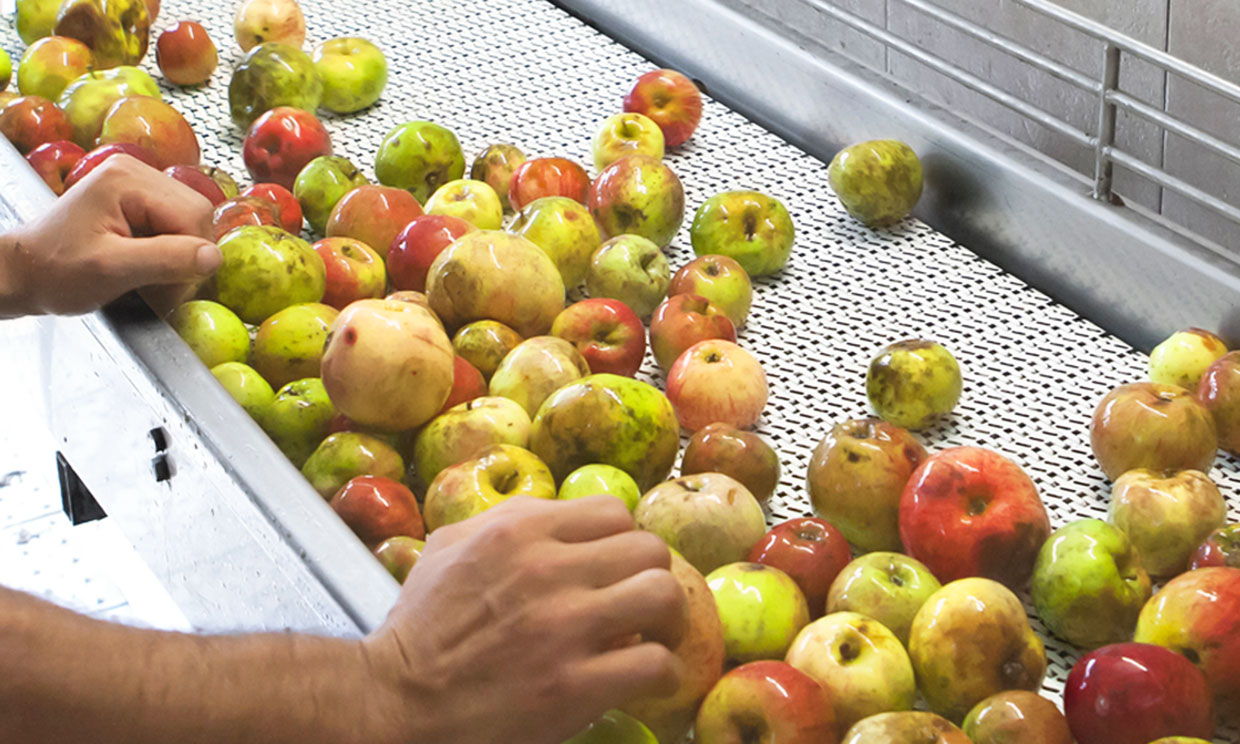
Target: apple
1197 614
246 386
473 201
287 207
373 351
413 250
719 279
1133 693
681 321
671 100
399 555
535 369
1184 357
226 183
150 123
1221 548
749 227
970 640
281 142
378 508
614 727
322 183
541 177
485 343
117 31
905 727
35 18
1016 716
213 332
1089 584
708 518
419 156
375 215
240 211
347 454
354 73
94 158
766 701
298 418
30 121
354 271
631 269
185 54
6 70
266 269
743 455
565 231
638 195
490 477
464 430
198 181
889 587
968 511
1219 393
53 161
761 607
50 64
607 334
590 480
808 550
493 275
1146 425
717 381
611 420
272 74
859 662
467 384
878 182
260 21
495 167
87 99
913 383
289 344
626 134
1166 515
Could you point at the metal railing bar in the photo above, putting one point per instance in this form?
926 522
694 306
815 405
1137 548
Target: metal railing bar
1171 124
1164 179
1106 123
961 76
1136 48
1046 64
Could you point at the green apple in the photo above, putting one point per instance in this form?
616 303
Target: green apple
612 420
913 383
6 73
889 587
762 610
492 476
214 332
246 386
347 454
615 727
878 182
464 430
484 344
399 555
353 71
1184 357
289 344
272 74
49 65
537 368
1016 716
419 156
631 269
117 31
565 231
1166 515
87 99
709 518
495 166
596 478
469 200
298 418
622 135
36 19
265 270
719 279
750 227
321 183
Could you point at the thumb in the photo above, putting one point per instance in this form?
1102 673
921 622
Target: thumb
163 259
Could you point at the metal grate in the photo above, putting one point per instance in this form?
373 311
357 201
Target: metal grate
525 72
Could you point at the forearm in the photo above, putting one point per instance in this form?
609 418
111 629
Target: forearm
13 301
67 678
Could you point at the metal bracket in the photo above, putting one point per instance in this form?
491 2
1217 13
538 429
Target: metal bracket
75 498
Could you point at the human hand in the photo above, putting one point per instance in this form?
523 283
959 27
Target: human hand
122 227
516 626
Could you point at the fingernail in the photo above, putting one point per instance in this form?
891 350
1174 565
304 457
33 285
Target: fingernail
208 258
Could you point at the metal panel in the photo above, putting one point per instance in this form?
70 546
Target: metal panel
828 32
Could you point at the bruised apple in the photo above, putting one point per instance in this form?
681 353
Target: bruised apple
1147 425
266 269
495 167
485 343
709 518
723 448
638 195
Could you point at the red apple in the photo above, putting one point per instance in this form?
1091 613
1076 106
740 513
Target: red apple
1133 693
809 550
1221 548
541 177
374 215
467 384
244 210
30 121
766 701
95 158
721 448
197 180
149 122
1016 716
377 508
185 54
967 511
683 320
288 207
606 332
1219 392
53 161
1146 425
281 142
354 271
413 249
671 100
716 380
